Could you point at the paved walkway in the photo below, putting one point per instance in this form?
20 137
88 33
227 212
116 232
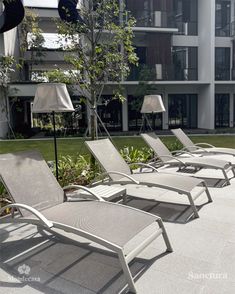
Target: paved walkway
203 262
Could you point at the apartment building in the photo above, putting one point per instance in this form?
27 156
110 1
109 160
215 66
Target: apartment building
186 51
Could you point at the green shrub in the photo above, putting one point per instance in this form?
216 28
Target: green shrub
132 154
176 145
75 170
4 199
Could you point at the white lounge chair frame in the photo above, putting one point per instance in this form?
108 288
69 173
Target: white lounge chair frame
123 174
167 158
36 216
200 148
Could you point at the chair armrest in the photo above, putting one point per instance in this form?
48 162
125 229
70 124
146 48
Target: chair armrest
204 144
121 174
179 152
194 147
77 187
144 165
38 214
172 157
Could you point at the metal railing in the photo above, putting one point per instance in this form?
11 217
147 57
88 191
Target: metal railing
223 74
150 18
167 73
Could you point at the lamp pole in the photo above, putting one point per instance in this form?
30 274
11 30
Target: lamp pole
55 146
52 98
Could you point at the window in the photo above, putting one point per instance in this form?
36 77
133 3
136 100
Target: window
182 110
185 63
222 64
221 110
135 119
222 18
186 16
110 112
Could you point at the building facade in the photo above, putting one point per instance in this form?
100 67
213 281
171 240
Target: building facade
186 51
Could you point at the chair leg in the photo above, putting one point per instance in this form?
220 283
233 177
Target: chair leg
226 176
193 206
233 169
165 236
207 192
127 272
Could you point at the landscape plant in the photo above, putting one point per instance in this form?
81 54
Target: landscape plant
98 50
7 67
32 39
76 170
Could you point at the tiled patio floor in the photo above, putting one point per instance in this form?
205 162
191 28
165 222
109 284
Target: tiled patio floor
203 261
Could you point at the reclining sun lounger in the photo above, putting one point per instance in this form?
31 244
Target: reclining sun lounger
40 200
119 172
164 154
198 147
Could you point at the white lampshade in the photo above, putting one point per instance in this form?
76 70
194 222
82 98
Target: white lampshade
152 104
52 97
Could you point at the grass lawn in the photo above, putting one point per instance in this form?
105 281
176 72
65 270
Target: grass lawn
76 146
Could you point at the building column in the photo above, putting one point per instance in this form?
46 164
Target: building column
206 107
231 111
206 63
125 115
165 114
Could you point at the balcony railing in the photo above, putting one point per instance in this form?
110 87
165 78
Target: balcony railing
225 31
187 28
159 72
149 18
223 74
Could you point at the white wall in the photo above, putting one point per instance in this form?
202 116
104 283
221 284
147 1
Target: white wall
206 107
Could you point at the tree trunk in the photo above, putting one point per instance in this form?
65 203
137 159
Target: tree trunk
93 123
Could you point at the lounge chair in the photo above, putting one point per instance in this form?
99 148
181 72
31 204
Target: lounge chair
200 148
40 200
164 154
119 172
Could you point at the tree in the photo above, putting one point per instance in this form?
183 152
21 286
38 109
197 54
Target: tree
7 64
31 37
98 50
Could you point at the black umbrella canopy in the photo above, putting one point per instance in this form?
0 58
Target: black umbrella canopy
12 16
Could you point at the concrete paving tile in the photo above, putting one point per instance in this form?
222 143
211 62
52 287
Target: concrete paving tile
196 243
180 266
162 283
220 212
223 229
215 286
226 262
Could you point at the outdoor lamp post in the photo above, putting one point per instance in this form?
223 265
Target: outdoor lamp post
52 98
151 104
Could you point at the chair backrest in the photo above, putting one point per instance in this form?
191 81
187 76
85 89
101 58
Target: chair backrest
29 180
108 157
184 139
158 147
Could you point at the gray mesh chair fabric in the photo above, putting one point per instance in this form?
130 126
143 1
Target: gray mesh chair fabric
96 218
200 147
158 147
24 179
164 154
33 187
106 154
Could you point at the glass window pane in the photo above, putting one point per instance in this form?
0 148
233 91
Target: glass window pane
221 110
